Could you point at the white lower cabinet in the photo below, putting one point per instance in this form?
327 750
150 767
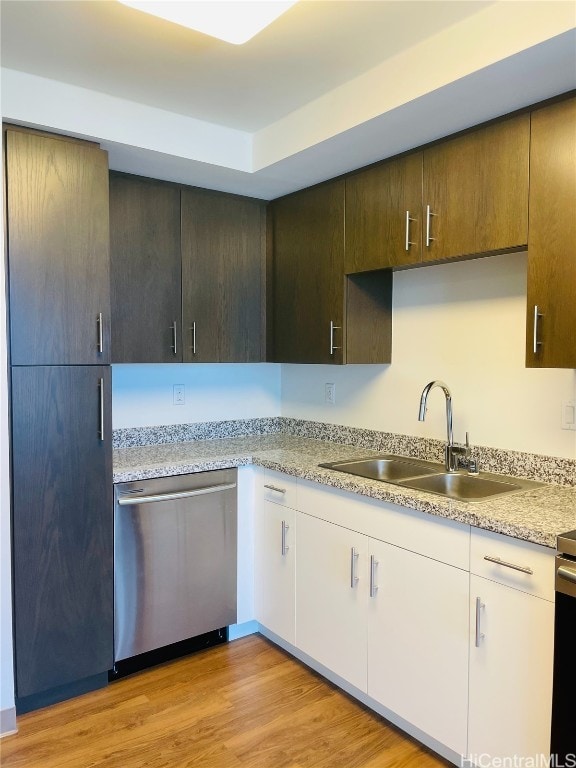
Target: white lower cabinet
274 575
274 570
418 642
448 628
331 597
511 653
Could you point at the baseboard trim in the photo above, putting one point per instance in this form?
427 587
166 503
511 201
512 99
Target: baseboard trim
8 721
236 631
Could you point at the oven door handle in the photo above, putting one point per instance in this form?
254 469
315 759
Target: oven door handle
568 574
133 500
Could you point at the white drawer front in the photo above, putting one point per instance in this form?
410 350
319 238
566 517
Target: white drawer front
518 564
279 488
435 537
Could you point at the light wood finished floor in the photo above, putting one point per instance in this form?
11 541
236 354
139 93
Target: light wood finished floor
246 704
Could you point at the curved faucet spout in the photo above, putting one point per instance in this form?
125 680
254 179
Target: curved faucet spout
448 396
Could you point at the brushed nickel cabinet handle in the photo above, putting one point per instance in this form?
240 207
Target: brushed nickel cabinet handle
429 214
373 585
100 329
353 562
285 547
536 342
174 346
479 608
332 329
498 561
275 488
408 242
101 407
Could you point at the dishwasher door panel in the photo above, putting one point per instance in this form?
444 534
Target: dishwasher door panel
175 561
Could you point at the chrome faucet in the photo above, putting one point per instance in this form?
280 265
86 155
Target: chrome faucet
455 455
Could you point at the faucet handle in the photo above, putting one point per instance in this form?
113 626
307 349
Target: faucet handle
470 462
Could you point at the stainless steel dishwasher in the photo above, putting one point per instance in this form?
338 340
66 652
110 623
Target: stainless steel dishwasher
174 560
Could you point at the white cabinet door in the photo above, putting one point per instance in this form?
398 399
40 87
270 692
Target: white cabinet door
332 596
510 672
274 569
418 642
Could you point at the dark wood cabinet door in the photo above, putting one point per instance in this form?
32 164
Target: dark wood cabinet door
223 263
476 187
145 268
62 525
58 250
552 238
308 233
384 215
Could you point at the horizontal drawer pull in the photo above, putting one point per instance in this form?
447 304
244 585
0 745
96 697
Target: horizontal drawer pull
132 500
275 488
498 561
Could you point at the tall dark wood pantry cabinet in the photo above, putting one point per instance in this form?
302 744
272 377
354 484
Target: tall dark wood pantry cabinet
59 317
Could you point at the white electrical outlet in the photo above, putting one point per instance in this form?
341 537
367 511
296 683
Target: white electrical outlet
179 394
330 394
569 414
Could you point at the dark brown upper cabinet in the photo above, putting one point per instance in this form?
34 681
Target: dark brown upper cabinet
475 195
62 527
223 260
145 267
58 250
551 304
319 315
384 215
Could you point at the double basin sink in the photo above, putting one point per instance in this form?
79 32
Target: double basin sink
431 477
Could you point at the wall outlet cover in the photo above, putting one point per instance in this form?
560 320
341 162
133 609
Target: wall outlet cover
330 393
569 414
179 396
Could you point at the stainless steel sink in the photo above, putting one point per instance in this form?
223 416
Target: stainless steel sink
460 486
430 477
389 468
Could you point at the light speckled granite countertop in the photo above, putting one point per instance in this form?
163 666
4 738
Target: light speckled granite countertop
536 515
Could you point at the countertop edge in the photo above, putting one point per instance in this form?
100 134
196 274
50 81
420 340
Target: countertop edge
477 514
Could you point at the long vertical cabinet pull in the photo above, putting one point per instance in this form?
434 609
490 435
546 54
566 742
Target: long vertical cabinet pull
174 346
100 330
101 407
193 331
408 242
479 634
537 314
429 214
332 329
373 585
353 563
285 547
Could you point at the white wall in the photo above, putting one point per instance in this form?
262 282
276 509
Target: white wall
463 323
142 395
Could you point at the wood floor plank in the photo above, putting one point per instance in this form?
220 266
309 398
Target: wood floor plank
245 704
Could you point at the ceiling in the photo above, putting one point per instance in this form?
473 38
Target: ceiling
316 46
278 93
